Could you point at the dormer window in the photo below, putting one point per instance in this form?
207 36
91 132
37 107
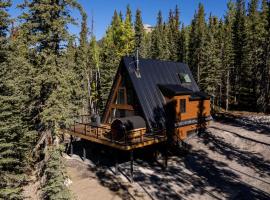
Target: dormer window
184 78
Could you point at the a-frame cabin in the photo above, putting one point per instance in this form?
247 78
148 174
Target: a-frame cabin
156 95
151 101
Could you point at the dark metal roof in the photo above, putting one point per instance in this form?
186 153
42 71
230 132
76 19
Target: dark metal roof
172 90
152 74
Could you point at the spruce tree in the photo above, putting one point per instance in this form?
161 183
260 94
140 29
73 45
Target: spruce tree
239 42
118 41
252 54
15 136
139 31
263 73
82 69
183 44
228 53
196 43
51 102
211 61
173 34
159 40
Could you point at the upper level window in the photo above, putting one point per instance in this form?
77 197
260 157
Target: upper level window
182 105
184 78
121 96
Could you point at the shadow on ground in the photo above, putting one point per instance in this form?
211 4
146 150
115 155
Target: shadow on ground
243 122
189 175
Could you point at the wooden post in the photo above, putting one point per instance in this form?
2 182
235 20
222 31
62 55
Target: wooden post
131 166
166 156
116 162
84 151
71 145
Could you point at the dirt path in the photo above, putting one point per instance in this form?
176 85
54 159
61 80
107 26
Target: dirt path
230 162
92 182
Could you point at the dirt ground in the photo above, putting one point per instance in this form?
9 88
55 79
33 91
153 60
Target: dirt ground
231 161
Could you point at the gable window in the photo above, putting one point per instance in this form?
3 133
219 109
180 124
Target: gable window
184 78
182 105
121 99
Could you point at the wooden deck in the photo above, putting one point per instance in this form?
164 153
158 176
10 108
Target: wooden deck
102 135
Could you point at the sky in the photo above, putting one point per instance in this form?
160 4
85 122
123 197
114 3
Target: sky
102 11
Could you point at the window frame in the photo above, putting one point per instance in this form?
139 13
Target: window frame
124 95
182 78
183 109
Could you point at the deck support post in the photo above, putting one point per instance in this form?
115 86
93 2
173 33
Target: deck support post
131 166
166 156
116 162
84 151
71 145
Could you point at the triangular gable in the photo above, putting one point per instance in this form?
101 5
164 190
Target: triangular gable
153 73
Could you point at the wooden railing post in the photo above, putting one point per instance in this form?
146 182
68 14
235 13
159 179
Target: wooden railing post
74 125
85 129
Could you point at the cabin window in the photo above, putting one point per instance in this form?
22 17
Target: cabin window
182 105
121 96
184 78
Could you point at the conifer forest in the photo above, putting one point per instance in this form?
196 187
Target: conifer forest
48 74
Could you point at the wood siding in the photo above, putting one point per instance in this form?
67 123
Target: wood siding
194 109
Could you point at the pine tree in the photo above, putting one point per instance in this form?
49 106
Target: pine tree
15 136
196 43
139 31
239 42
94 63
55 176
45 34
183 44
118 41
128 36
211 61
228 54
252 54
82 69
159 40
173 34
263 73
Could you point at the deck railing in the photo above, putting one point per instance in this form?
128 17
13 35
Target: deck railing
103 132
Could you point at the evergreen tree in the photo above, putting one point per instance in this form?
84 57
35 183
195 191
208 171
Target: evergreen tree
263 73
139 31
239 42
183 45
196 43
127 38
82 69
54 188
173 34
51 102
253 51
118 41
15 136
228 53
159 40
211 61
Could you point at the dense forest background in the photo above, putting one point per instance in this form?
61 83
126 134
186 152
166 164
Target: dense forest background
47 74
